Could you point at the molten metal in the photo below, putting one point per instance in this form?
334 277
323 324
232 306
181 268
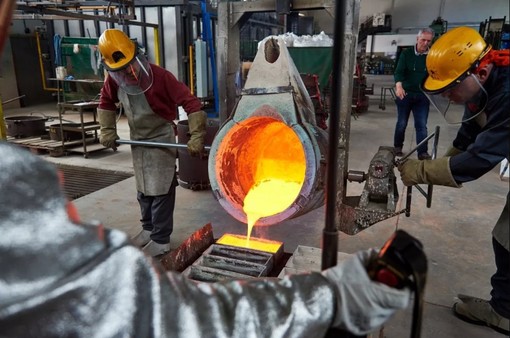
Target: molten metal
254 243
271 135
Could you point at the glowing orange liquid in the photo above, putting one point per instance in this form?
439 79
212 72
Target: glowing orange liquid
255 244
267 198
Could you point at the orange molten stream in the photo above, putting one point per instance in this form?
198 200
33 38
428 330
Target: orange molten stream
279 177
267 198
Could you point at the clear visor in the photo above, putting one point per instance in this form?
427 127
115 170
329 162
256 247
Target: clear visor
452 102
136 78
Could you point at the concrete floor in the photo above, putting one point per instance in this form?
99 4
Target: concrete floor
455 231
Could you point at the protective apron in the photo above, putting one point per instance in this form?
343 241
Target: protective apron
154 167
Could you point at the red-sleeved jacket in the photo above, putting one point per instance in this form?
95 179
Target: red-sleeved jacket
164 96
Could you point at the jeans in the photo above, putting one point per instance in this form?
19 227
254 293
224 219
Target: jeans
419 105
158 214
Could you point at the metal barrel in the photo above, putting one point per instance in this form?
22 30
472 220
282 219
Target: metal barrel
193 172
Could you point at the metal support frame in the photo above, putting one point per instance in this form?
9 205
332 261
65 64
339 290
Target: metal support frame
231 17
350 40
171 56
63 13
208 37
346 33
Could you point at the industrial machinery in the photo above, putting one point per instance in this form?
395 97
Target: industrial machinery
379 198
272 133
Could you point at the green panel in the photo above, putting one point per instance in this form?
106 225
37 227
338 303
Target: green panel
82 41
313 60
248 50
81 63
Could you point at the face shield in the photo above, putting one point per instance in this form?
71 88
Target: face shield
136 77
463 100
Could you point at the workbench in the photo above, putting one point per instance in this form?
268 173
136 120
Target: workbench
89 136
384 91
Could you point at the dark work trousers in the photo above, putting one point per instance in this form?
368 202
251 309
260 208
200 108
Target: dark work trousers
500 281
158 214
419 105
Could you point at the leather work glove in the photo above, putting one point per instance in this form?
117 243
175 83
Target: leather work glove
108 133
452 151
362 305
197 128
435 172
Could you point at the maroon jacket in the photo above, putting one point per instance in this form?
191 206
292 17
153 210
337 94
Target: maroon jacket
164 96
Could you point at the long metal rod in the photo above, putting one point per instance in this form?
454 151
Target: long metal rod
330 232
430 188
13 99
67 15
156 144
403 158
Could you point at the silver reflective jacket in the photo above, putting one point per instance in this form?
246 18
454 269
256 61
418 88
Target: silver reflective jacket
60 279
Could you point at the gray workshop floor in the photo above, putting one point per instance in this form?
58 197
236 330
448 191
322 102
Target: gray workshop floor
455 231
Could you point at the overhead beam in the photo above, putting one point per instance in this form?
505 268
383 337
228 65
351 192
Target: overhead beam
71 15
239 8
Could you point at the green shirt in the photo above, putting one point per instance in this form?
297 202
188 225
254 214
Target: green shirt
411 70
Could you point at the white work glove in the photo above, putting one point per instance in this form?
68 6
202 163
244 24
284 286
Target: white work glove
362 305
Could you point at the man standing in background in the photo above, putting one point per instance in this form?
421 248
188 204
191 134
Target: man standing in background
409 74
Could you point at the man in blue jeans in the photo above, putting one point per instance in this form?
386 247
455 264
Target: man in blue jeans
409 74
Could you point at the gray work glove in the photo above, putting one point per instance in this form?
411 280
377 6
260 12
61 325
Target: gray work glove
108 133
197 122
362 305
435 172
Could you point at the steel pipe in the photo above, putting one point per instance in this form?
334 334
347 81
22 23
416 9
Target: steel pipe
155 144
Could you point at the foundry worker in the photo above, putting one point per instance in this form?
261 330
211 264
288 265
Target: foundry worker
149 96
82 280
463 68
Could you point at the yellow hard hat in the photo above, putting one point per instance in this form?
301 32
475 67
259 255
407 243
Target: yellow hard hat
451 56
117 48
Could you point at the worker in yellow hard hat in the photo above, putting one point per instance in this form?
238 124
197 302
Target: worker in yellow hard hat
464 69
127 66
150 96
